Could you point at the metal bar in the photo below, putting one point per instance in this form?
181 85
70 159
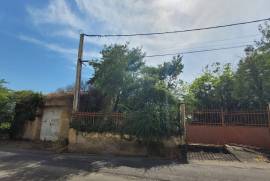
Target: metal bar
222 117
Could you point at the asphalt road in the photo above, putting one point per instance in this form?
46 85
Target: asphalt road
19 164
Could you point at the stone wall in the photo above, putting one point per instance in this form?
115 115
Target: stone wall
107 143
103 143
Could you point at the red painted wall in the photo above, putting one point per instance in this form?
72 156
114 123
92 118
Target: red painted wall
220 135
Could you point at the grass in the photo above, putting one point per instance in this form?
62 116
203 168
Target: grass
5 125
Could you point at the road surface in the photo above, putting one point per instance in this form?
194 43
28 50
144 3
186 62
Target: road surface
22 164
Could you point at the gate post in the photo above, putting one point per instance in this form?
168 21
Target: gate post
183 146
183 123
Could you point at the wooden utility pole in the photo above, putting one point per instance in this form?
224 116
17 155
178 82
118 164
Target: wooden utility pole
76 99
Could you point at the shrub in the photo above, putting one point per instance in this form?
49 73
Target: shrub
27 103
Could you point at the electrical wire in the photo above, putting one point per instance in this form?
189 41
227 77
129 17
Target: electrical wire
177 31
201 44
195 51
205 46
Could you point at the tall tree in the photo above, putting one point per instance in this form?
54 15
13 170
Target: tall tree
115 72
247 87
145 93
252 83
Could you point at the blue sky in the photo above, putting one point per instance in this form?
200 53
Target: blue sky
39 39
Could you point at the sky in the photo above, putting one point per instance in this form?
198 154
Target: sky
39 39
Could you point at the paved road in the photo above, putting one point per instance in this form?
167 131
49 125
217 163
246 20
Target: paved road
18 164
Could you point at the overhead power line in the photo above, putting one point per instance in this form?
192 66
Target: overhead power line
205 46
195 51
205 43
177 31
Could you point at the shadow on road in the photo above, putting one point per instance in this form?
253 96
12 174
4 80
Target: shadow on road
40 165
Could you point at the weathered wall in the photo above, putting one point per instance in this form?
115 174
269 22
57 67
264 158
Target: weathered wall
103 143
220 135
53 121
32 129
50 124
56 117
107 143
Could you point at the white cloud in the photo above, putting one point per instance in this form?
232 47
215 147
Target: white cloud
50 46
68 52
57 13
136 16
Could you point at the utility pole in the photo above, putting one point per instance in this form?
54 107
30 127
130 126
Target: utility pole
76 99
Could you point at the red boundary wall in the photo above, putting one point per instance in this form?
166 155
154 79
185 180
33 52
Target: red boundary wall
220 135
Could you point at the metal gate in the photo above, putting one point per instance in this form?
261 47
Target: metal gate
50 125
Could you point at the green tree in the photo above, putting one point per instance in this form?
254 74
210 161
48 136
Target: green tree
225 88
213 89
247 87
6 107
144 93
116 72
252 83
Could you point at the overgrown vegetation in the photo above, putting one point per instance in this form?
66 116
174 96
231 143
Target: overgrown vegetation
26 107
150 96
6 108
142 92
248 87
16 107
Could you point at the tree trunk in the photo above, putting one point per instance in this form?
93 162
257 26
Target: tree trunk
116 103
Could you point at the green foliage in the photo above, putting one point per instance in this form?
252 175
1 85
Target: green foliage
152 111
213 88
16 107
252 82
6 107
248 87
143 93
100 124
92 101
27 103
115 72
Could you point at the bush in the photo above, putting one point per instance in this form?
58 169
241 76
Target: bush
148 125
6 108
100 124
153 125
27 103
